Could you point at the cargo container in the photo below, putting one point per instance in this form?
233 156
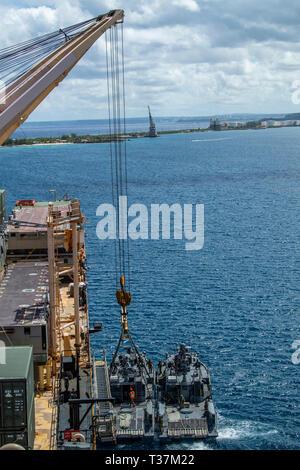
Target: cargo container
17 418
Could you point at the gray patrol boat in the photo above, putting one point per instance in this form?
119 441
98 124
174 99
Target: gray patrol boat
132 385
184 394
172 402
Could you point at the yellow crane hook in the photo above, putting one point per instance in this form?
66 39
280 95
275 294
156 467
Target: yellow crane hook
124 299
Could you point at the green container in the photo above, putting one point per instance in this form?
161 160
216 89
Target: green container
17 418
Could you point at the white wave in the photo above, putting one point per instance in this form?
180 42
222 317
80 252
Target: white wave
200 445
235 429
192 445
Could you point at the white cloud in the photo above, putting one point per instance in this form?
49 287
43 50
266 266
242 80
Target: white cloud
183 57
188 4
17 24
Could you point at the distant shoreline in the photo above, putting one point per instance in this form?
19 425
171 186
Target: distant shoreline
104 138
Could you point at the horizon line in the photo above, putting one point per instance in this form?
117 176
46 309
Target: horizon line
165 117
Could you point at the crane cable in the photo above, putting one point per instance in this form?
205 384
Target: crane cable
17 59
118 152
115 71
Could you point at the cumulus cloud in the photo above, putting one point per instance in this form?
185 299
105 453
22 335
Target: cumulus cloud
188 4
183 57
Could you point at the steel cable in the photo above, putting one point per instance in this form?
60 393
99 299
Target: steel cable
17 59
118 153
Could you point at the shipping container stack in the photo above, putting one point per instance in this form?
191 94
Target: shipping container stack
17 417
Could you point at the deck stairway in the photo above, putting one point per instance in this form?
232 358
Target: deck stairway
104 419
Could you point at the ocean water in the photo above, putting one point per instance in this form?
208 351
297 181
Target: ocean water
236 301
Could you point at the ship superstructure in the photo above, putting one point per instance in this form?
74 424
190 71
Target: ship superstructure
26 231
24 308
44 306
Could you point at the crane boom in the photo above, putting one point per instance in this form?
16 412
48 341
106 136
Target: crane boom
25 93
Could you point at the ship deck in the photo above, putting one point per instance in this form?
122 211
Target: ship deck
190 423
34 218
44 411
131 424
46 402
23 292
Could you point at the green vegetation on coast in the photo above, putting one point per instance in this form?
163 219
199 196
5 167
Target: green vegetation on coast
87 139
106 138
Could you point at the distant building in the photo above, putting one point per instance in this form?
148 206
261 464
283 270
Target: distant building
272 123
237 124
281 123
215 124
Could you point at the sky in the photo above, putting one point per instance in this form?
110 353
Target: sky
182 57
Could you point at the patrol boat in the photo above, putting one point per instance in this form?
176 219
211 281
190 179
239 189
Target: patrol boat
184 394
130 414
132 385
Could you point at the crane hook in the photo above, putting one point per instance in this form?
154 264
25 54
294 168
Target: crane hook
124 299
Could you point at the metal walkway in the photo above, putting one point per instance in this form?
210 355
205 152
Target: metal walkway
105 427
102 387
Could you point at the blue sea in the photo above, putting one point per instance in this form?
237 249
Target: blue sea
236 301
